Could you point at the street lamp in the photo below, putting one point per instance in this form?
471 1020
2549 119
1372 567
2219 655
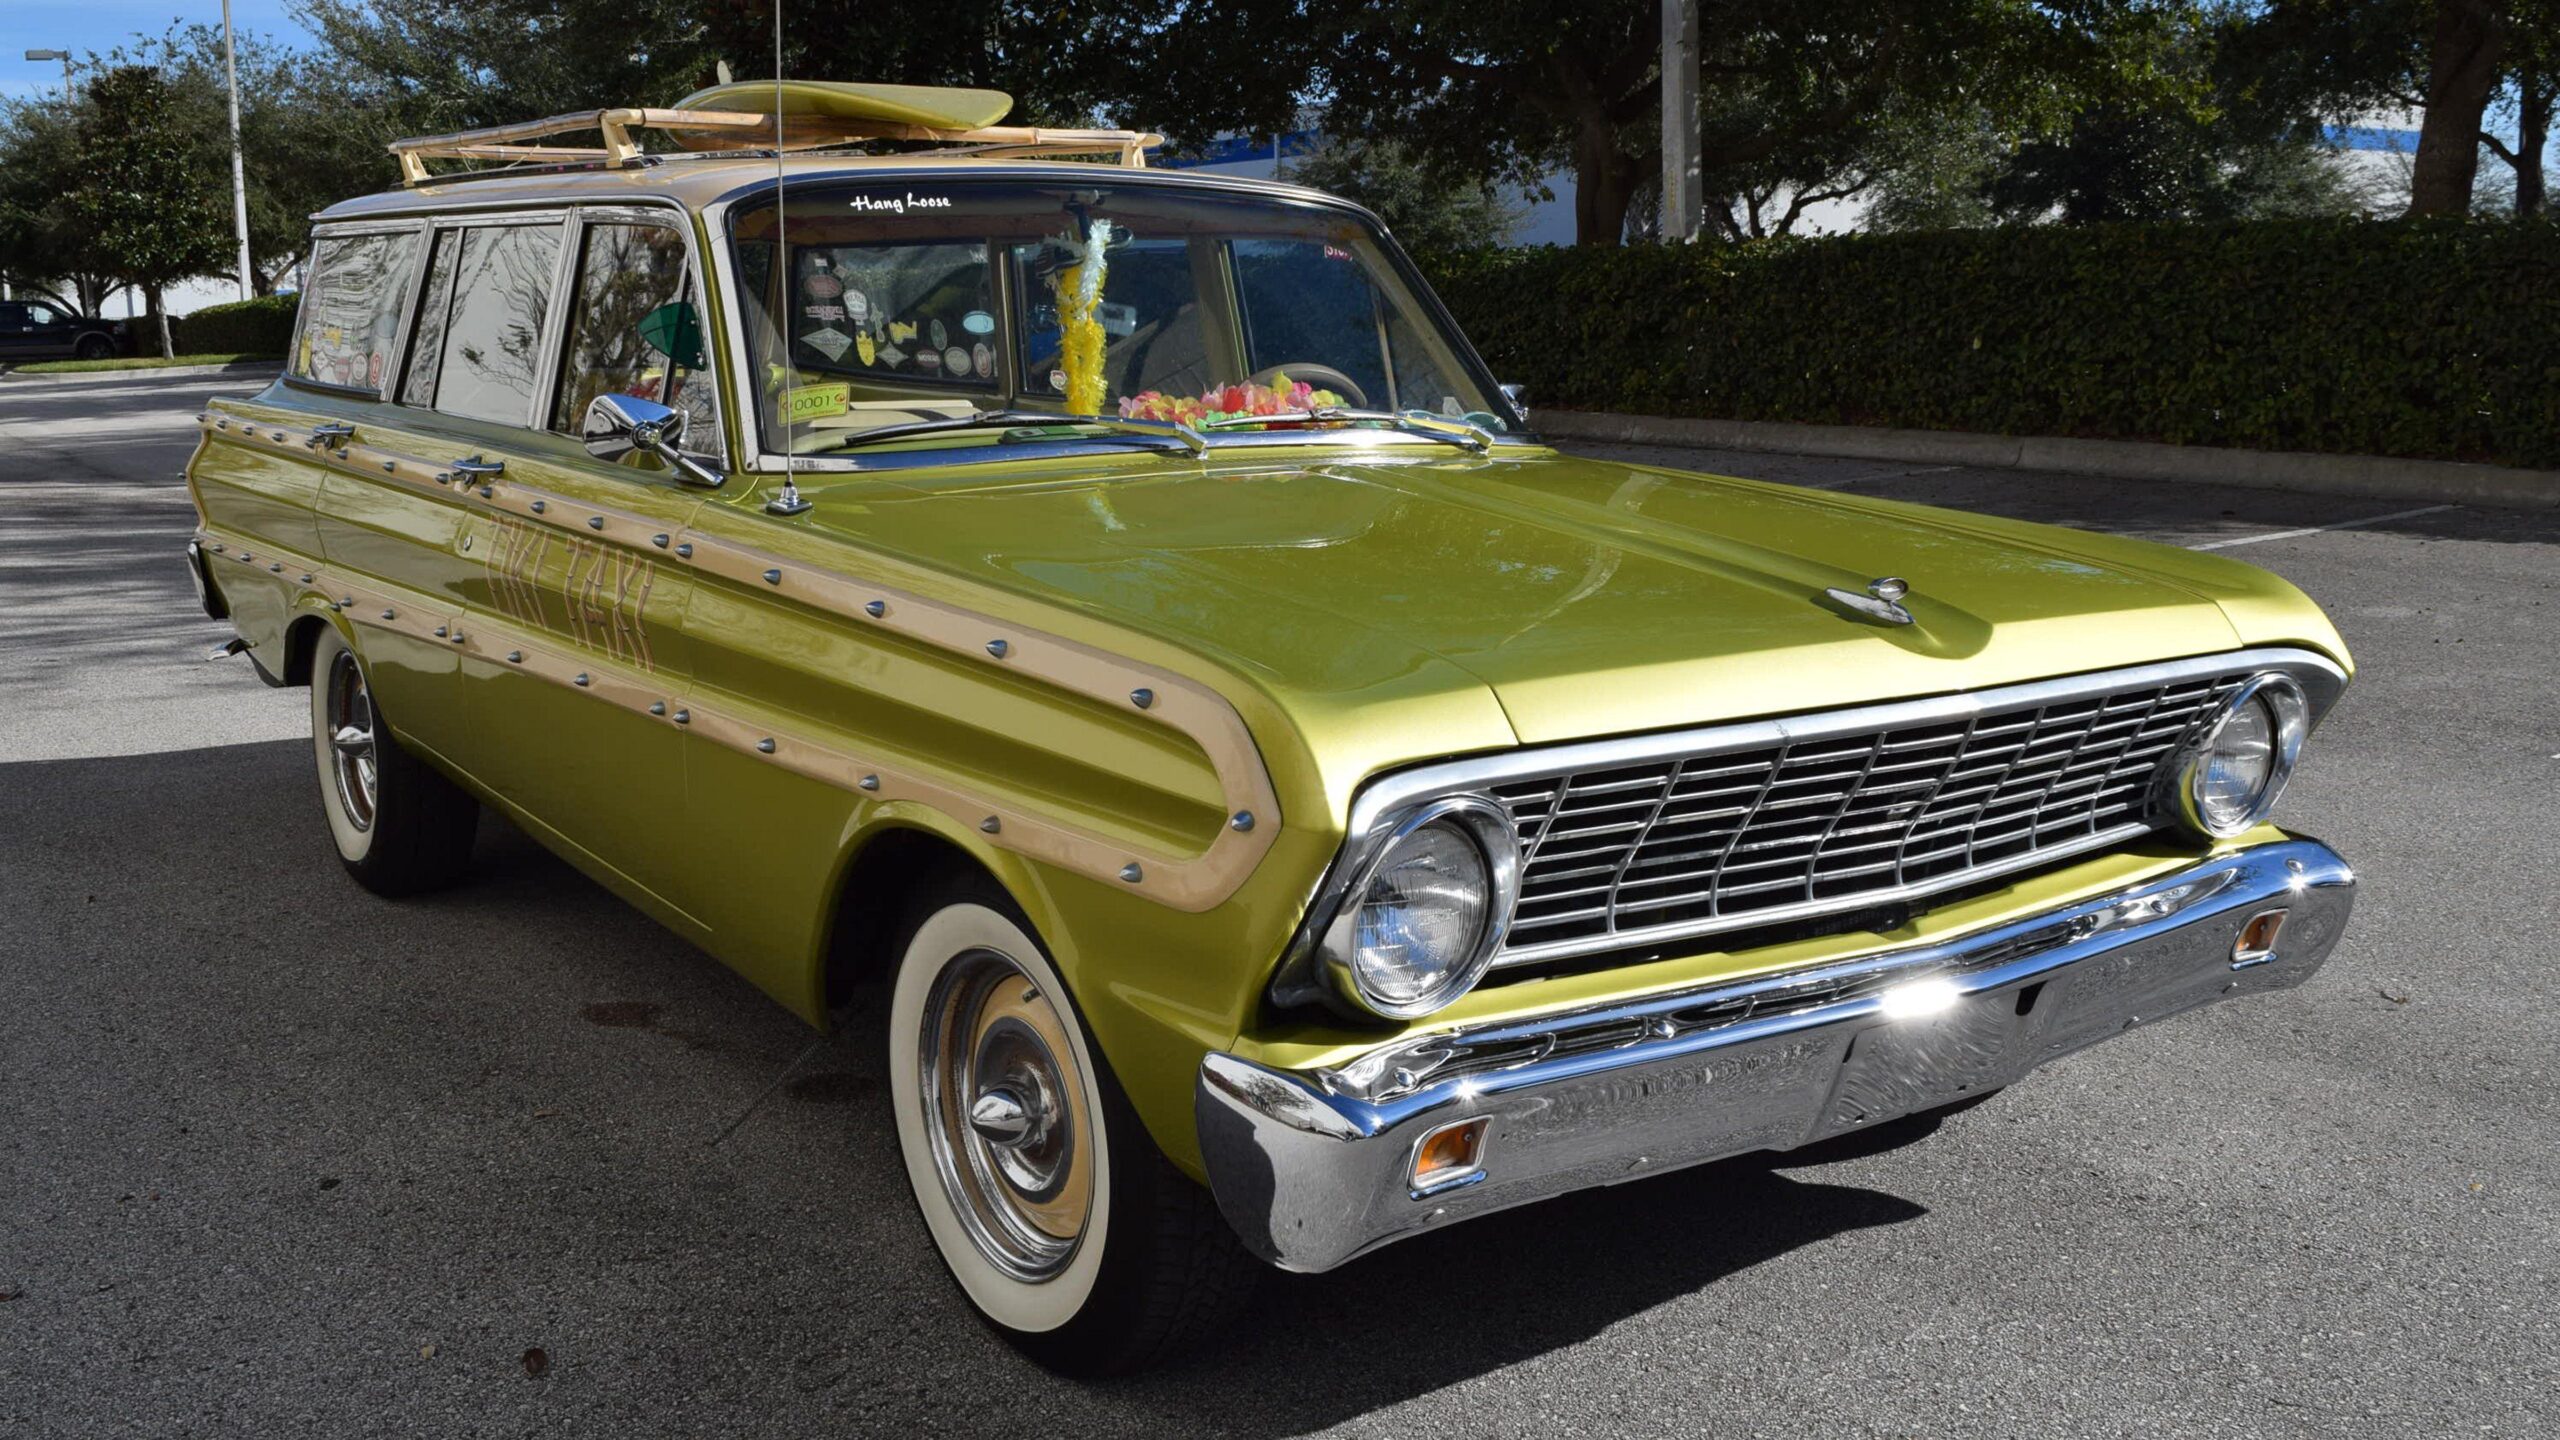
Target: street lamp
65 57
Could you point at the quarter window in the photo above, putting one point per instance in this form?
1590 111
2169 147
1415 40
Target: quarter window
488 356
351 312
634 330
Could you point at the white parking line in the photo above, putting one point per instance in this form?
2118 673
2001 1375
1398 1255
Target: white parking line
2317 529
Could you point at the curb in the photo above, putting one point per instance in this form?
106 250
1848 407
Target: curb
2370 476
247 370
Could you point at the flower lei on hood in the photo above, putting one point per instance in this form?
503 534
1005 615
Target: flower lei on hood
1228 402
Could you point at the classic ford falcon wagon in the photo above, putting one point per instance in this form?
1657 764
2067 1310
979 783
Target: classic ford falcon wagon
1280 805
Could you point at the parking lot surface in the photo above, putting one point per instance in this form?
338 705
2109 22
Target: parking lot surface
278 1158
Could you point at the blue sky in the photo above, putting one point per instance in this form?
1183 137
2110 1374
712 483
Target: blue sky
81 26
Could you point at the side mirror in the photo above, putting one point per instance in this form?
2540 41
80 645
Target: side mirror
1518 395
618 425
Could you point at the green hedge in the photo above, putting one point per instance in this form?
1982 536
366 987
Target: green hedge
2436 339
263 326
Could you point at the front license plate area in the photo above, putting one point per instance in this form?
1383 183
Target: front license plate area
1980 1043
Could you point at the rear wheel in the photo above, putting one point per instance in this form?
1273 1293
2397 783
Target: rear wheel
1068 1230
94 347
400 827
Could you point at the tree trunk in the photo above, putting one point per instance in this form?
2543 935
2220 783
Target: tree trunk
159 320
2463 60
2533 131
1604 182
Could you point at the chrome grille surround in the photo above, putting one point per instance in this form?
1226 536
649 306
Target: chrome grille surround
1651 838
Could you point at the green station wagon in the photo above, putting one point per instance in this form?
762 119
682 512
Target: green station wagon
1284 806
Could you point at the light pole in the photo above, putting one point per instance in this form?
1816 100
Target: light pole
239 186
65 57
1683 187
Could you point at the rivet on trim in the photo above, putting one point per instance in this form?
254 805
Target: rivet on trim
582 679
875 609
684 552
870 782
1131 873
595 522
1241 821
386 614
997 648
218 549
444 477
276 569
348 603
440 630
657 707
1142 698
457 637
658 540
342 454
390 467
773 577
487 494
306 579
515 657
684 717
991 824
537 507
765 746
221 424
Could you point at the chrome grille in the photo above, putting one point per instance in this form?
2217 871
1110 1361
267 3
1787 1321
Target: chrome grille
1820 821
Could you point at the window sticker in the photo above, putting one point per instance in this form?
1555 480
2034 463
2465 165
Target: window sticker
866 347
891 357
978 322
941 336
929 361
956 360
829 342
982 358
816 402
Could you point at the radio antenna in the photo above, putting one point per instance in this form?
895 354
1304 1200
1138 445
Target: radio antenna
789 502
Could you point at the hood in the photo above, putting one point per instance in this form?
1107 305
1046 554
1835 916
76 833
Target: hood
1588 597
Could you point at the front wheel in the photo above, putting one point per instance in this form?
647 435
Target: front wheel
1069 1231
400 827
94 347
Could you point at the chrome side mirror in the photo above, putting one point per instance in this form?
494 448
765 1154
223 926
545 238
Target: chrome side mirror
1518 395
618 425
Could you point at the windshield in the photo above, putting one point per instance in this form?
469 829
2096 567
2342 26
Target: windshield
918 301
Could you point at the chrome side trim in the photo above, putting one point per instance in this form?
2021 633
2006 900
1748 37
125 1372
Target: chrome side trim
1374 810
1312 1167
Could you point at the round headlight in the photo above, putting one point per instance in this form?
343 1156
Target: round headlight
2229 779
1421 925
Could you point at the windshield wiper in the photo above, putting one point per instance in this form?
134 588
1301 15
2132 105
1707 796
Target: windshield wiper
1471 438
1183 435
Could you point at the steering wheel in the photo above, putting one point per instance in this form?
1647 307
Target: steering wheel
1323 377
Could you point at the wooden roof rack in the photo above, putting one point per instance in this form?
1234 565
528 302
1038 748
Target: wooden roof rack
700 131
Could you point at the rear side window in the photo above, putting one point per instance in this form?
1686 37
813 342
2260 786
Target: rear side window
486 326
634 330
351 310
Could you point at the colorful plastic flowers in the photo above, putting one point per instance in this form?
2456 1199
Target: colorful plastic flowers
1282 396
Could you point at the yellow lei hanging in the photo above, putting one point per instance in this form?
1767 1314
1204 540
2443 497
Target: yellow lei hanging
1079 293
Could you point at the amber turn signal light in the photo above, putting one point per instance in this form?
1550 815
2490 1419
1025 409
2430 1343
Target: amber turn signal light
1450 1153
2256 943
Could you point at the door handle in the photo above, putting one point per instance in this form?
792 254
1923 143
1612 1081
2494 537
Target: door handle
334 433
477 468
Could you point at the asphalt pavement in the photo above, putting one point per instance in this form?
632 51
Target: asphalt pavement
278 1158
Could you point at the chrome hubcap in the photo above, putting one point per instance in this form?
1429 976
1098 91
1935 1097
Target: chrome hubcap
1002 1096
350 725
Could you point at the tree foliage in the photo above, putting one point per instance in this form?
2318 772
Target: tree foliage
1430 210
138 195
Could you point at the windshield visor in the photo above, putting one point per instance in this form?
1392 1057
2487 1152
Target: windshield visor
873 305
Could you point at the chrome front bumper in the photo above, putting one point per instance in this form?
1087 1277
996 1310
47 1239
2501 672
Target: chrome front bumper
1314 1167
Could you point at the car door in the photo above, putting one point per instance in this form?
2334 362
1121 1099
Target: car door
573 601
17 331
50 332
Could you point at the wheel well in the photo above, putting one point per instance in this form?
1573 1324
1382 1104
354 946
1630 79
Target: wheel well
300 639
870 903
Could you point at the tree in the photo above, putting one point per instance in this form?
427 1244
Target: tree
144 207
1430 210
1509 91
42 247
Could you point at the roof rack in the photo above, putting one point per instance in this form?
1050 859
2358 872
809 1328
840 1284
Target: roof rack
703 131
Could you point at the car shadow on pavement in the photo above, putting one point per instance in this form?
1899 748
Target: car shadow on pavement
220 1039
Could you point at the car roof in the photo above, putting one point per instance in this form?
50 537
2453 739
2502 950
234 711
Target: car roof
697 183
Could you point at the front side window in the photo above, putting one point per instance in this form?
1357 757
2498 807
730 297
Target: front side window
634 330
868 305
351 310
489 351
